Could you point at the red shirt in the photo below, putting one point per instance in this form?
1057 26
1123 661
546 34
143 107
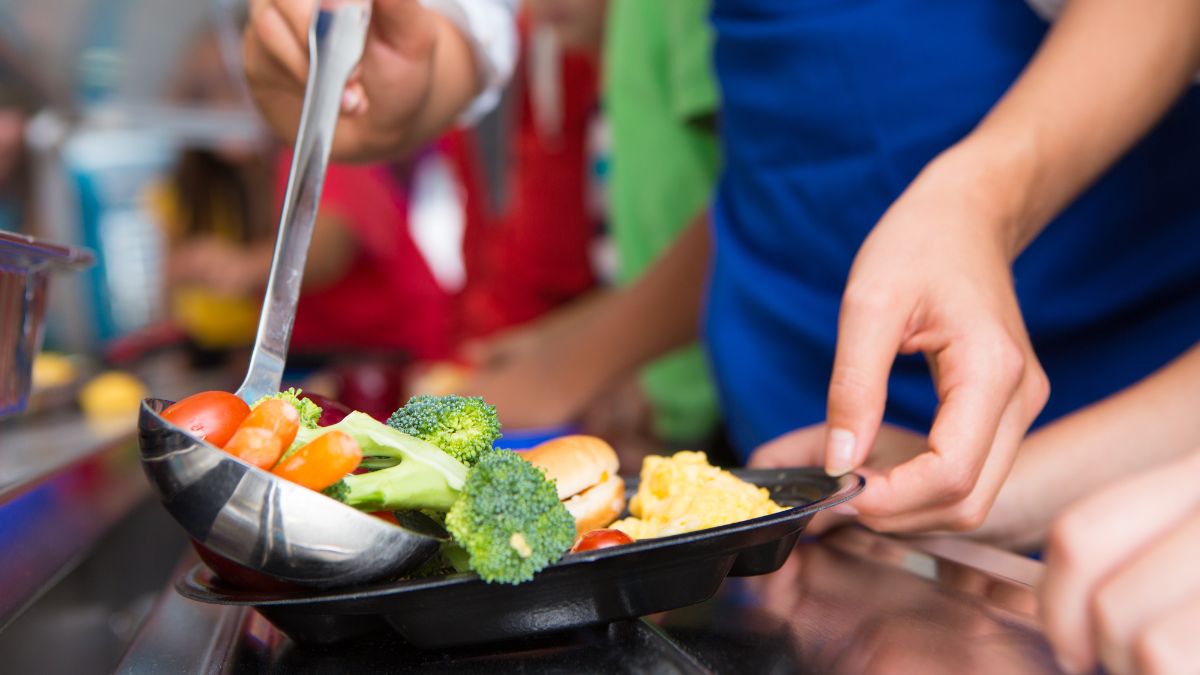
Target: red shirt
388 299
536 256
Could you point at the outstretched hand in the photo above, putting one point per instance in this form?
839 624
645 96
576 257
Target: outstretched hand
934 277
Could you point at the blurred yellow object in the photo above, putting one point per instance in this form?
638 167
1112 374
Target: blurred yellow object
51 369
111 394
439 378
213 320
684 493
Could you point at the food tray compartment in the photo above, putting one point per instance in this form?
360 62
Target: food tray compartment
597 587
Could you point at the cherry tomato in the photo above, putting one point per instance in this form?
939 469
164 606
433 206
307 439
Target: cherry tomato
598 539
258 446
278 417
322 462
210 415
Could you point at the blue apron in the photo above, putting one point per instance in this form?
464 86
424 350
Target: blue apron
829 109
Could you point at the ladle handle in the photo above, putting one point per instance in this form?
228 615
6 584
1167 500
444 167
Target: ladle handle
335 44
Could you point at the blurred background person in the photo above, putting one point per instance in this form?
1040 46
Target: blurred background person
538 252
661 103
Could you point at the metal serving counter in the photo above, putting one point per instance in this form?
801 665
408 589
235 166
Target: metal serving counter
85 550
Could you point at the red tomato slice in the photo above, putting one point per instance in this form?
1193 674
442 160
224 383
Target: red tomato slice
210 415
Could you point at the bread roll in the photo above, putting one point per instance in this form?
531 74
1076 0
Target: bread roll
598 506
584 468
575 463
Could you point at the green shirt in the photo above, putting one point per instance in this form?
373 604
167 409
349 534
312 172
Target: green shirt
661 99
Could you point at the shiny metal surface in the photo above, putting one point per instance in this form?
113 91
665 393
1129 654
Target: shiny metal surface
269 525
48 523
850 602
25 266
335 43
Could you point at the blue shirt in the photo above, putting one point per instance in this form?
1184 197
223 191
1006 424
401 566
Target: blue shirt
829 109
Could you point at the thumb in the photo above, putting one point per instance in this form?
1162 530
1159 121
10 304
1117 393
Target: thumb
869 335
802 447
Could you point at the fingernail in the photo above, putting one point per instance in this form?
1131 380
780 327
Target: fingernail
844 509
351 99
839 454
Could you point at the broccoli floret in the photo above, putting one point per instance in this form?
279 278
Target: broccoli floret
464 427
503 513
408 485
509 519
309 412
420 476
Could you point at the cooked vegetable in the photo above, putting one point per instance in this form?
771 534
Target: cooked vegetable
209 415
321 463
509 519
310 412
418 474
464 427
277 416
598 539
408 485
255 445
504 513
265 433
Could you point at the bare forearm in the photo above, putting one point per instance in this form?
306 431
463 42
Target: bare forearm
655 315
1107 71
1142 426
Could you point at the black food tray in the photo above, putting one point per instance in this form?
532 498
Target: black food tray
583 589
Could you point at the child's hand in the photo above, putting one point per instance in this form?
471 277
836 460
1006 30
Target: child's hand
1122 584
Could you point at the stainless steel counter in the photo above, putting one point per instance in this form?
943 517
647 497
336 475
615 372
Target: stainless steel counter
84 548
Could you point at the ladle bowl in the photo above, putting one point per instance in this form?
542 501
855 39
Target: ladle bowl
281 530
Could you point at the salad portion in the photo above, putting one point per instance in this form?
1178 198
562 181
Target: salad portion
434 455
509 514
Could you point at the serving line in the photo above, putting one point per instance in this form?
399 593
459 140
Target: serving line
852 601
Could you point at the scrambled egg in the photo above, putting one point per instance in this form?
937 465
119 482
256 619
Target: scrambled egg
684 493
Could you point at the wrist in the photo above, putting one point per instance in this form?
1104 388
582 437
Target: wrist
998 176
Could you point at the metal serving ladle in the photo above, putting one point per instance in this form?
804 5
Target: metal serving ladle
248 516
